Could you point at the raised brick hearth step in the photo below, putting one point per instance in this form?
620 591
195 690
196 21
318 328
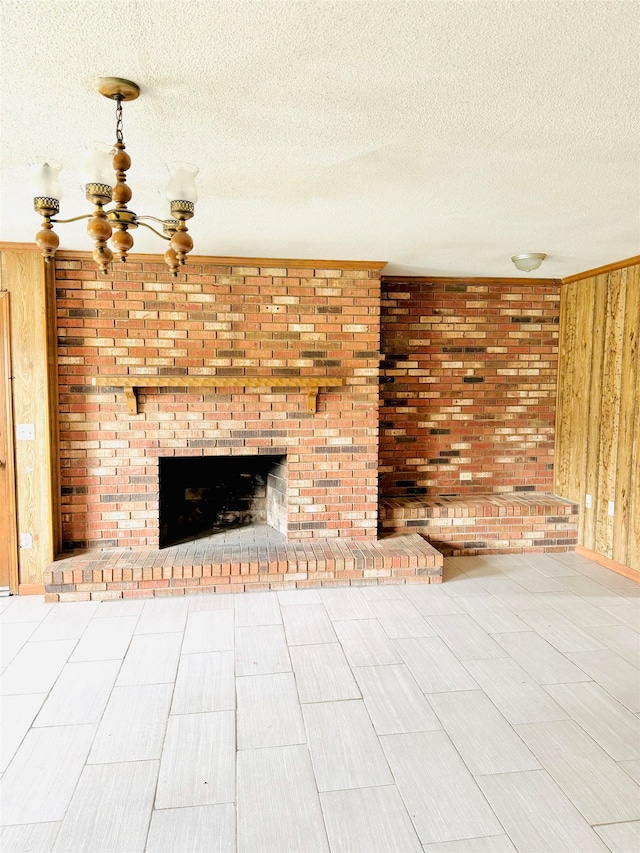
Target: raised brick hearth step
240 565
485 523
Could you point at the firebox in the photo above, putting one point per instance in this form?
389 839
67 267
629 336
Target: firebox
201 496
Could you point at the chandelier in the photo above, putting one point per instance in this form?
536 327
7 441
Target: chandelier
106 181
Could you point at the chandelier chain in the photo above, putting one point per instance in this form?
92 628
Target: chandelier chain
119 136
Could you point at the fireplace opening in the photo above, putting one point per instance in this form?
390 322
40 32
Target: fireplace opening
201 496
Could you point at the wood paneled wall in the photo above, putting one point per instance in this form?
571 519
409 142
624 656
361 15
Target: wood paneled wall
598 412
30 285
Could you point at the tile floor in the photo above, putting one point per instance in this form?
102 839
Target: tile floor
496 712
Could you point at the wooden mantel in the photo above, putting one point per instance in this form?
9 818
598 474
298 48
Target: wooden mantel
130 384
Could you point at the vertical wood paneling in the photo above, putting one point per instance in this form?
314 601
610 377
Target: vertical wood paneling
8 528
598 434
628 416
573 394
610 418
593 413
24 278
633 522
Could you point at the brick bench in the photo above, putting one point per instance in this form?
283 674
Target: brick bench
506 523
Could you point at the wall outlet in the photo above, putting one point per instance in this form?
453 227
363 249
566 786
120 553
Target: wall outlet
588 501
25 432
465 475
26 540
611 508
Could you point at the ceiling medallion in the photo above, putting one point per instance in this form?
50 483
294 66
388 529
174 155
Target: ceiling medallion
106 181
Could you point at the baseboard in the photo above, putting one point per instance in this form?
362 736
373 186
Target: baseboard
31 589
608 563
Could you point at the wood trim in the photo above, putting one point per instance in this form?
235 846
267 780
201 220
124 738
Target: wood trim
31 589
12 544
224 261
50 342
130 384
467 279
607 268
608 563
302 263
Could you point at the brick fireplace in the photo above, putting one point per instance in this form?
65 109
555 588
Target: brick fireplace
253 324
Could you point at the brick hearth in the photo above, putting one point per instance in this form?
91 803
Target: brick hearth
250 559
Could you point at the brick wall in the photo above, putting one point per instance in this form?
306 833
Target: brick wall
468 386
226 321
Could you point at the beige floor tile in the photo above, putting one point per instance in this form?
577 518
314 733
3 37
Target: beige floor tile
560 632
511 594
151 659
307 624
299 596
514 693
257 608
399 618
592 591
198 761
105 639
261 649
365 643
394 701
621 837
195 829
163 616
434 666
616 675
536 814
629 614
13 636
491 615
25 608
440 794
323 674
465 637
433 599
620 639
35 668
210 601
80 694
110 809
209 631
29 837
275 784
344 748
600 789
123 607
381 593
16 715
632 768
577 609
548 564
133 724
536 656
269 711
366 819
205 682
34 790
65 622
533 580
345 604
489 844
482 736
608 722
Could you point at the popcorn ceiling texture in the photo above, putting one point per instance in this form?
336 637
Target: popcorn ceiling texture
468 387
442 136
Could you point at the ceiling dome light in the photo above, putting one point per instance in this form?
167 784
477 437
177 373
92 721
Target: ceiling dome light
528 261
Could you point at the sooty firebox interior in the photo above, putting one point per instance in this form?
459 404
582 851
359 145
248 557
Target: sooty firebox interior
201 496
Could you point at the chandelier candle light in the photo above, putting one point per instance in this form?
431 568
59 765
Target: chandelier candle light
105 169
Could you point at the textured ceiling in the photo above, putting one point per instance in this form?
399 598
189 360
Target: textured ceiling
442 136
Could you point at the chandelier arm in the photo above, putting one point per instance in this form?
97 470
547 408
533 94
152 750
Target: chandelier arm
74 219
154 218
144 225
